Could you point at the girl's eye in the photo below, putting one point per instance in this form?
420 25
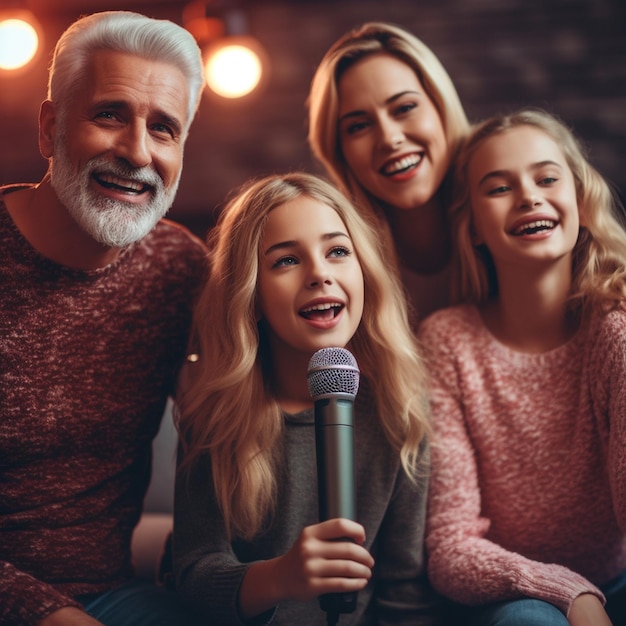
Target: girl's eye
355 127
285 261
548 180
497 190
340 251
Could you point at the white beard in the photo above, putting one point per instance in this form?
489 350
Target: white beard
113 223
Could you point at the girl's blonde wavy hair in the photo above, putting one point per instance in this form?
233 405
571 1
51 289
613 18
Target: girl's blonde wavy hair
599 258
323 100
228 412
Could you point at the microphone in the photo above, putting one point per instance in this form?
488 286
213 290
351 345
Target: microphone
333 380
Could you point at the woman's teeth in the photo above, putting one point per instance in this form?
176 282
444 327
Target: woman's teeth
402 164
534 227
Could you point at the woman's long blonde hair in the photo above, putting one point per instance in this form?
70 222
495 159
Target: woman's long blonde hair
228 411
323 100
599 259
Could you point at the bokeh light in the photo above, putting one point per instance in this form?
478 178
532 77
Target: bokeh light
18 43
233 71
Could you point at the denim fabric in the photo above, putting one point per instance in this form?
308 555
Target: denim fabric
525 612
140 603
532 612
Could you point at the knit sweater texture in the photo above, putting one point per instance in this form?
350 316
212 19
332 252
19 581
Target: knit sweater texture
209 569
87 360
528 491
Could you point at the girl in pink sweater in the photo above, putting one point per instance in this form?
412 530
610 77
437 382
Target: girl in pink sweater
527 511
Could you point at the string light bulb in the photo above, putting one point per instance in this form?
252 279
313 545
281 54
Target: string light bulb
233 68
235 63
19 40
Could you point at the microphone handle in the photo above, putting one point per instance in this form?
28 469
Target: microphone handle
334 443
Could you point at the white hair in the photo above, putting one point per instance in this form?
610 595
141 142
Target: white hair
131 33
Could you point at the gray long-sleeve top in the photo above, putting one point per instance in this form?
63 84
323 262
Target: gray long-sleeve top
209 569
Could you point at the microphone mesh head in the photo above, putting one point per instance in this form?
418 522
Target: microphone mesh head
332 370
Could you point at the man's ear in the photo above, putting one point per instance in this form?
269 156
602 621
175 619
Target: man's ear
47 128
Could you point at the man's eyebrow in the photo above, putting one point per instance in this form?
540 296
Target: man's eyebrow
120 105
168 120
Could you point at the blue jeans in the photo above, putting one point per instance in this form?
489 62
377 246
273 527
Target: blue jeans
532 612
524 612
139 603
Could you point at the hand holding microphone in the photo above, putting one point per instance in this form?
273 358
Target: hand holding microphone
333 379
328 559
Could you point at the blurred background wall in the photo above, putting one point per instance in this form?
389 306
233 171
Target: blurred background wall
568 56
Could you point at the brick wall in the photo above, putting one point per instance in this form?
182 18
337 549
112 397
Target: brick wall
567 56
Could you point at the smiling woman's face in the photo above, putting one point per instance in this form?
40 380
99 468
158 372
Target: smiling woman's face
391 134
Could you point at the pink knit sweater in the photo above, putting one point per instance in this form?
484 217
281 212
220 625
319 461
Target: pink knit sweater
528 492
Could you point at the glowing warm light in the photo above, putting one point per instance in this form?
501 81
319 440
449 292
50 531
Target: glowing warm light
233 71
18 43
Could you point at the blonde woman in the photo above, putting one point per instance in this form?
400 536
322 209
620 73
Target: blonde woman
527 513
295 269
385 120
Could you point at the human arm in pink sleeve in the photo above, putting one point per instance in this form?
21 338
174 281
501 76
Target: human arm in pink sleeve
610 403
463 564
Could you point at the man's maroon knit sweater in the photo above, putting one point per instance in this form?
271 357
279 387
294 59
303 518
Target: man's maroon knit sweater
87 360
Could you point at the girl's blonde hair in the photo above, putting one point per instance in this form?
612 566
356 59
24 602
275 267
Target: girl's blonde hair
323 101
599 258
228 412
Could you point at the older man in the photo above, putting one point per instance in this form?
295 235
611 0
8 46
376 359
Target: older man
97 295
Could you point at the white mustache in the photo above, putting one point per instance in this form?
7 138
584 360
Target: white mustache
144 175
